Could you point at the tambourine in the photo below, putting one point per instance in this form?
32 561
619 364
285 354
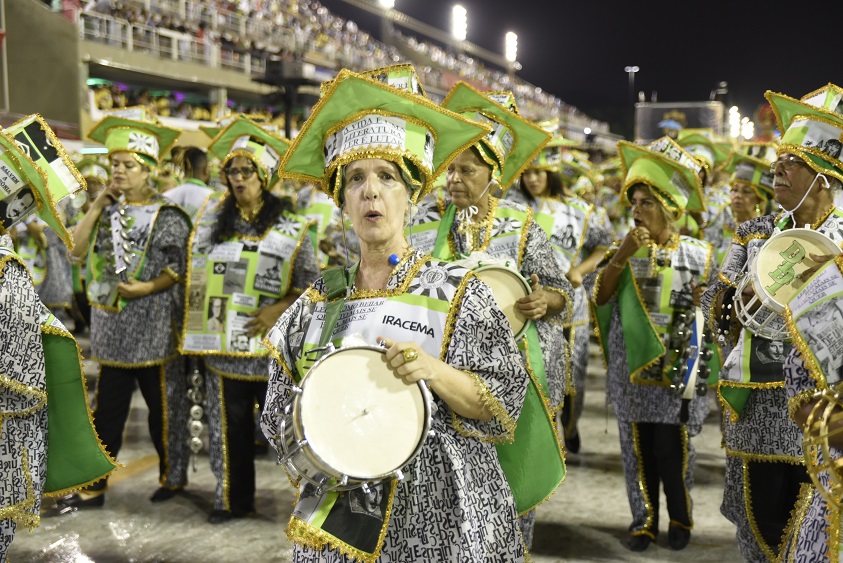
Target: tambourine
508 286
775 274
352 422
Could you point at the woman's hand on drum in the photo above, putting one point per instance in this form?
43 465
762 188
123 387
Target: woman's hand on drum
533 306
697 291
820 260
408 361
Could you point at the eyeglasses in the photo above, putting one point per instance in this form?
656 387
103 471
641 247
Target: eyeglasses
245 173
787 163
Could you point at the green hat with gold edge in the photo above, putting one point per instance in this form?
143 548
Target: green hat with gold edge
664 166
550 156
360 117
222 123
575 165
513 143
401 76
47 177
703 145
137 131
243 137
753 170
94 168
812 128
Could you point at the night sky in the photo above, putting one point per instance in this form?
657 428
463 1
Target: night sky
578 50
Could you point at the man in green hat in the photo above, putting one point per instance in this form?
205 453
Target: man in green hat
651 282
41 382
762 385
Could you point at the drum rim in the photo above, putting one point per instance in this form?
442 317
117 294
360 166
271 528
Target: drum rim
524 283
796 232
326 468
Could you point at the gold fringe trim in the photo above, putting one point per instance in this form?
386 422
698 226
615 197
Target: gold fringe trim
798 401
491 403
453 312
147 364
28 391
814 370
239 376
765 458
21 512
302 533
750 516
648 523
172 273
790 538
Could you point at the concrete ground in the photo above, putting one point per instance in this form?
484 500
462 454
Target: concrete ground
585 520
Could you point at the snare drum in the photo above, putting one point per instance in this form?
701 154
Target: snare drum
352 421
508 286
775 277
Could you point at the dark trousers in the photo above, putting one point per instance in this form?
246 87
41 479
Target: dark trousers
238 425
114 396
662 449
774 491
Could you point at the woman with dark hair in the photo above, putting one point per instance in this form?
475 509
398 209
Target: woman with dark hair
578 240
651 279
249 250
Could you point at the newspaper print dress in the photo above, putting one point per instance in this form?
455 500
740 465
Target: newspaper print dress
454 503
23 400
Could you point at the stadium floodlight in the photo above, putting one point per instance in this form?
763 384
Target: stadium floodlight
459 23
511 47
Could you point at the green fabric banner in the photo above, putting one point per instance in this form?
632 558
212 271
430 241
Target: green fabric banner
75 456
643 345
533 463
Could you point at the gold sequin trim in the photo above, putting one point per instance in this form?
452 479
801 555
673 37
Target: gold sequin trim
23 511
172 273
239 376
750 515
150 363
798 401
790 537
648 523
302 533
491 403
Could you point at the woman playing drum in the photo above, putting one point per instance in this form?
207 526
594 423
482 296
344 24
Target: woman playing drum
474 226
763 446
374 149
651 280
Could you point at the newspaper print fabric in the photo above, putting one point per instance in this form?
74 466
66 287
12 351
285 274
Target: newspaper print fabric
124 339
454 503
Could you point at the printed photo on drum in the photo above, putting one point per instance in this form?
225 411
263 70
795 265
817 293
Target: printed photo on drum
216 314
766 359
16 206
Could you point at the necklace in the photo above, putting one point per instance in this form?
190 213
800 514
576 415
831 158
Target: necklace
249 216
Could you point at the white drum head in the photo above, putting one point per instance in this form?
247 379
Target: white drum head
508 286
782 259
358 417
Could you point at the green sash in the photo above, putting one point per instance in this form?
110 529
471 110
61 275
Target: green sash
643 345
75 456
533 463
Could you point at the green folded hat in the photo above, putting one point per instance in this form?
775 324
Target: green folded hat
93 168
401 76
550 156
671 173
753 170
812 128
136 131
513 143
703 145
35 175
359 117
259 118
243 137
576 165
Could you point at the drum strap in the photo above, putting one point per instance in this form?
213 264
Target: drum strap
338 282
